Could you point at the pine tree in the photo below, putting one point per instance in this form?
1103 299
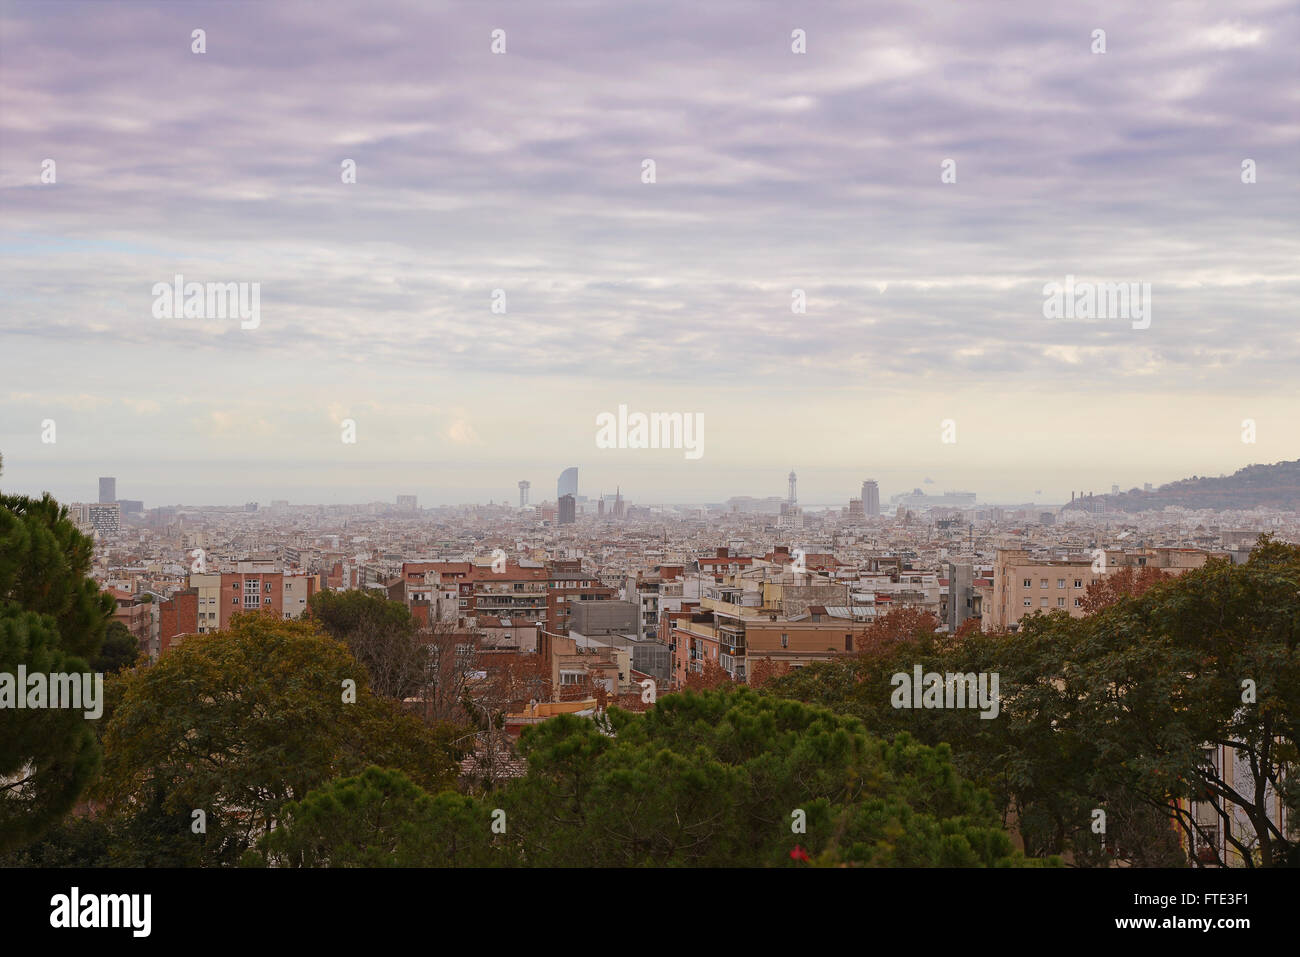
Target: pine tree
52 619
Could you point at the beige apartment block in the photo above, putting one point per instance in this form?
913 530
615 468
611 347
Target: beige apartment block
208 586
1024 586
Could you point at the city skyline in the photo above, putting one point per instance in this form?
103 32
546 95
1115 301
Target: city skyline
822 495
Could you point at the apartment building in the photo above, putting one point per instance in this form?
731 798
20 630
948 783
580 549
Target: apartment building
820 634
254 588
781 617
568 583
518 592
1023 585
694 640
212 599
99 518
507 634
613 624
1218 823
207 589
736 641
576 669
723 563
660 590
821 562
177 618
137 614
430 598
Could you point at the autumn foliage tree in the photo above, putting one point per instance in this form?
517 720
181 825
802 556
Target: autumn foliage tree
897 625
710 675
1127 582
763 670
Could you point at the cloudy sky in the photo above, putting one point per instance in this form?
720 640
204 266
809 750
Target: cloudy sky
523 171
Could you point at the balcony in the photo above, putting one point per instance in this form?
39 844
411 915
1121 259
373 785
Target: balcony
534 590
732 640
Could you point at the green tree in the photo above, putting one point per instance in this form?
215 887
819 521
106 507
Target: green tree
1210 659
241 722
120 649
72 842
1114 711
381 818
1043 774
380 633
721 778
52 619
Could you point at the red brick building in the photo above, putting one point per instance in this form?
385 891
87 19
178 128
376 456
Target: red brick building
179 615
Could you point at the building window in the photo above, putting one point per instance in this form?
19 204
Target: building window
1078 603
785 640
1043 603
1029 583
1028 602
1060 583
1209 759
1042 583
848 642
1060 603
1078 583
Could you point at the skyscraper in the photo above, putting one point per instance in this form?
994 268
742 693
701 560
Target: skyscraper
568 509
870 497
568 483
107 490
523 493
792 499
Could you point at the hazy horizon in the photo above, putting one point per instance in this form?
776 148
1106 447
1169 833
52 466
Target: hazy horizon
815 490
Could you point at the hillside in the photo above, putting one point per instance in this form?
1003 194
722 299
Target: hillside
1269 486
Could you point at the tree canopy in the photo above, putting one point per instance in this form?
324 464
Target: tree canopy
1114 711
721 778
52 620
239 723
380 633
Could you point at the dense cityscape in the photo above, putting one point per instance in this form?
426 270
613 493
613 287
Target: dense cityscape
600 598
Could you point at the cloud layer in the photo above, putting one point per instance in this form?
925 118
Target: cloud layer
523 172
